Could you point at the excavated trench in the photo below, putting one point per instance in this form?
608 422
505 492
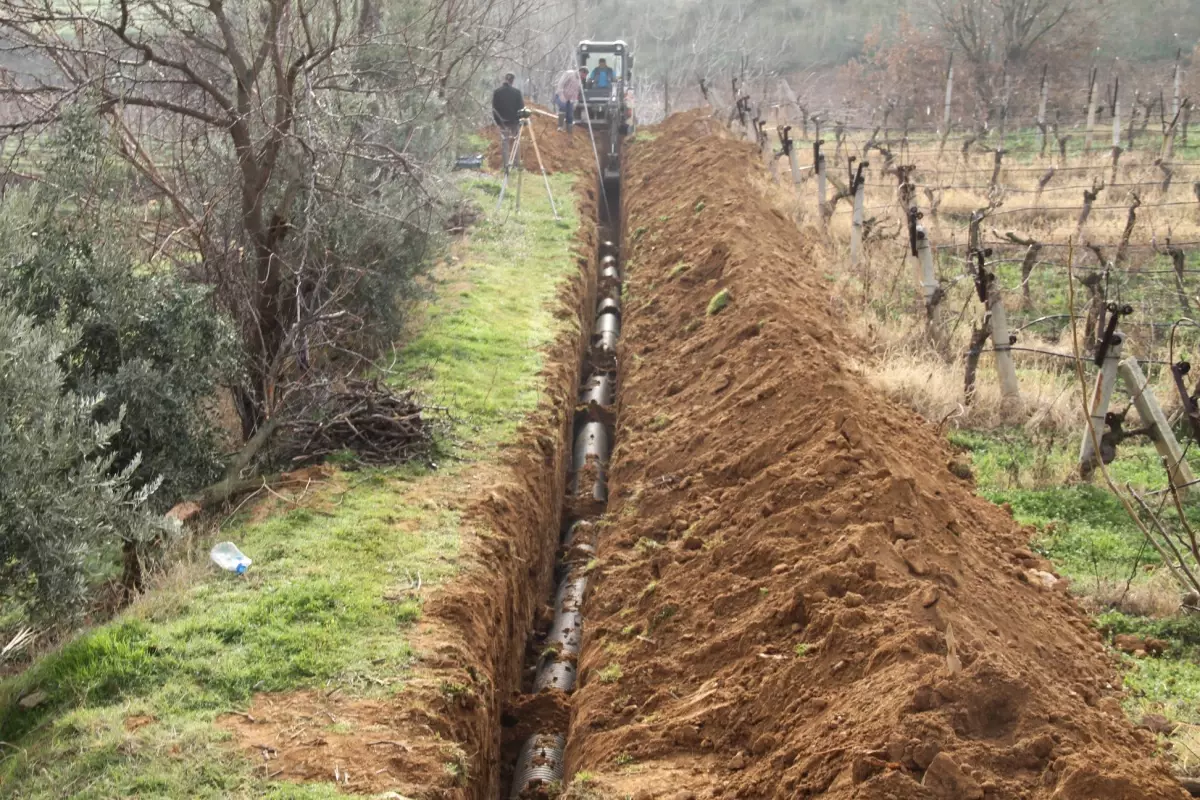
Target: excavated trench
533 743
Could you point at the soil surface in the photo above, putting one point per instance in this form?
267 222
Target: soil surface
802 598
560 152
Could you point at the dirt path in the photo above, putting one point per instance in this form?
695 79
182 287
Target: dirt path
797 596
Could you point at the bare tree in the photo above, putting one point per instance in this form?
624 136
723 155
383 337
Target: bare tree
1001 39
294 144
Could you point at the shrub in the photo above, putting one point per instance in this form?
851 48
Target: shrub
148 344
63 500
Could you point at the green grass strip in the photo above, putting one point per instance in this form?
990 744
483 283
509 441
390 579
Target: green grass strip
318 607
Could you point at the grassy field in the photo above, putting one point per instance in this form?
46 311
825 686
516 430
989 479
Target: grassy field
130 709
1085 530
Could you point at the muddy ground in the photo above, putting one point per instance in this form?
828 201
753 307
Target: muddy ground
800 595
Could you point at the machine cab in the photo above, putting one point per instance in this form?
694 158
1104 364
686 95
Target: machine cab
610 68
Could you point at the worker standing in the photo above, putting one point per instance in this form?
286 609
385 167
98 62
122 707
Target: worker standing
507 104
567 93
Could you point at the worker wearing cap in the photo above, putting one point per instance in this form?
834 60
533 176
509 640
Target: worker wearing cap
567 93
507 104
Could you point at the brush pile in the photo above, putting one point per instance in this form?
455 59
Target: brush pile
368 418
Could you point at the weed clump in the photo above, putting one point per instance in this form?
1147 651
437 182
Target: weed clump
610 674
719 302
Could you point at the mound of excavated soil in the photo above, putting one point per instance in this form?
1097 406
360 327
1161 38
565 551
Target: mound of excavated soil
802 598
560 152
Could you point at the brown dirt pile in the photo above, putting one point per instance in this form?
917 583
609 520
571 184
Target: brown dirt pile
803 600
560 152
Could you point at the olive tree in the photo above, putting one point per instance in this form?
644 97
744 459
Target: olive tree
62 502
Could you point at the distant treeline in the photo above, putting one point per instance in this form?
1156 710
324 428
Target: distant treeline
791 35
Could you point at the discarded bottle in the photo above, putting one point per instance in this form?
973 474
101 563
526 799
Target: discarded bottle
226 556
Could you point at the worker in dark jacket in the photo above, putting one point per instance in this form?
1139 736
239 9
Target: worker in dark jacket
507 104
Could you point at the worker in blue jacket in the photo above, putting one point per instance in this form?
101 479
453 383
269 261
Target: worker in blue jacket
602 76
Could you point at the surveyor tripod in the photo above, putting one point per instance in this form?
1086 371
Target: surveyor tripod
513 160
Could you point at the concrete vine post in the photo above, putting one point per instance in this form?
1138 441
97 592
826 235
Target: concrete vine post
987 288
769 153
931 290
858 187
1177 80
1106 382
788 147
794 163
1116 128
1091 112
946 111
1152 415
822 182
1133 115
1168 147
1010 388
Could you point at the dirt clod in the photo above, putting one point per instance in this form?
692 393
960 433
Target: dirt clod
1137 645
1156 723
947 781
904 528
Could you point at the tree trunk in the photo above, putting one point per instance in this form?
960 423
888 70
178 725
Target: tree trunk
1027 265
979 336
667 92
1095 310
1179 261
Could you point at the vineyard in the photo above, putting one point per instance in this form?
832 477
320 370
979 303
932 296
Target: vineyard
1031 290
1002 274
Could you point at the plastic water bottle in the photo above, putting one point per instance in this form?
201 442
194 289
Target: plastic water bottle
226 556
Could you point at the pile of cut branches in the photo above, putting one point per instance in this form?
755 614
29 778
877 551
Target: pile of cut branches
378 424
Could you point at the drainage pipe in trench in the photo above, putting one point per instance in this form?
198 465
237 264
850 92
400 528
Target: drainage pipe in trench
540 762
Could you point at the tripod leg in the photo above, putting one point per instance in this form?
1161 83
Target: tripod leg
542 167
520 174
508 164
